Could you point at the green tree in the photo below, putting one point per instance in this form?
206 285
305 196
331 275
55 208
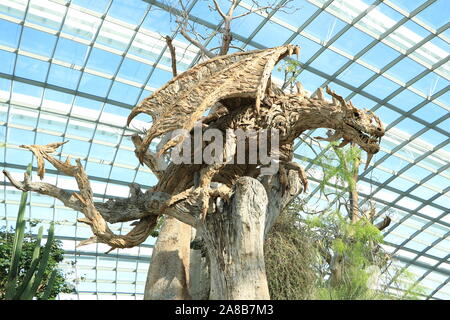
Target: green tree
28 270
60 284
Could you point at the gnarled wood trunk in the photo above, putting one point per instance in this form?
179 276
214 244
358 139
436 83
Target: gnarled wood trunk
233 236
168 274
234 240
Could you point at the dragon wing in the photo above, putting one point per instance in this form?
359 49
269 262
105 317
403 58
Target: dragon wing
183 100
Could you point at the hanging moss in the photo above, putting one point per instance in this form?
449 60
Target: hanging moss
289 255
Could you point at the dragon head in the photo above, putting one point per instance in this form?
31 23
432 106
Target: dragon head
362 127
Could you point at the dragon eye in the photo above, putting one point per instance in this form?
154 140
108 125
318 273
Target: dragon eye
356 114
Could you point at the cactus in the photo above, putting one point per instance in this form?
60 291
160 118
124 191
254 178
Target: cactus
33 278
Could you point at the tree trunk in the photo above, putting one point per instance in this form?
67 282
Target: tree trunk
233 236
234 241
168 274
199 280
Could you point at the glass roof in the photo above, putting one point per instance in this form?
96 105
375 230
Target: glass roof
72 70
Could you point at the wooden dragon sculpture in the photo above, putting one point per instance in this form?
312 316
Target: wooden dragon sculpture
238 90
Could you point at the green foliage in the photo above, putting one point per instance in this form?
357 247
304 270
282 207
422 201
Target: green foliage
349 251
28 270
327 257
338 165
157 229
291 69
345 260
56 255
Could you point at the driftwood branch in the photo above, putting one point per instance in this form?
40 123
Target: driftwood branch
114 210
145 207
202 48
219 9
383 224
172 55
155 163
281 190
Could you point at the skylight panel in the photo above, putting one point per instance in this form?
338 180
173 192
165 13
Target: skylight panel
56 101
22 117
147 47
426 238
380 55
246 25
423 193
325 26
430 84
353 41
126 157
18 156
159 21
444 295
300 12
408 5
272 35
46 138
402 185
430 54
5 86
381 87
97 5
46 13
445 98
71 51
26 94
52 123
438 182
134 70
356 75
103 61
9 33
115 36
107 135
434 138
124 93
95 85
206 10
37 42
116 190
7 64
406 100
329 62
159 78
13 8
64 77
347 9
380 19
415 244
311 81
81 24
405 69
96 169
122 174
439 13
131 12
80 128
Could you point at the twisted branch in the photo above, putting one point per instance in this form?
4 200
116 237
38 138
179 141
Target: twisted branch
147 207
